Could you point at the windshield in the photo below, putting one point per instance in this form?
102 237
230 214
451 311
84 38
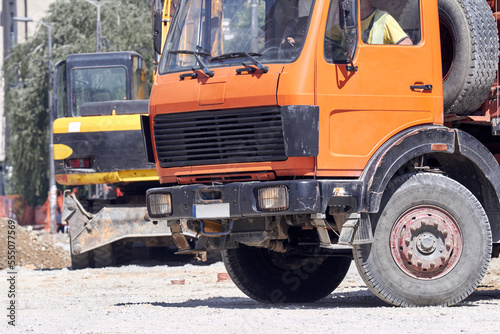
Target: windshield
268 30
97 85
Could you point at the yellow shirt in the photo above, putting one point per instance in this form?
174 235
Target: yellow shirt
393 33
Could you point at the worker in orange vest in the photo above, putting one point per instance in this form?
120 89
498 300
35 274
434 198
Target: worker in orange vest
59 205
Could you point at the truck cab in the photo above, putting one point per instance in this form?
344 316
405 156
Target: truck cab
300 134
312 71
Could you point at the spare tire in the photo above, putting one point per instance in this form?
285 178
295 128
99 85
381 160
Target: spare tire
469 51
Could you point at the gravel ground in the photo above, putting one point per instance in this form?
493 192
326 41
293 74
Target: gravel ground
142 298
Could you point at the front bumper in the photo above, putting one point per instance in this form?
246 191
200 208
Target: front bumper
240 199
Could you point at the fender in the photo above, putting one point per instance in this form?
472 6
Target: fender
476 152
415 142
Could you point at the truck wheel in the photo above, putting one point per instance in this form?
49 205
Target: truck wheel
272 277
469 52
80 261
103 256
432 243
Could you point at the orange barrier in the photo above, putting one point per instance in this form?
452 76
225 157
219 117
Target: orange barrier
13 206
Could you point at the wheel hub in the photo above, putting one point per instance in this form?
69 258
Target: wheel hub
426 242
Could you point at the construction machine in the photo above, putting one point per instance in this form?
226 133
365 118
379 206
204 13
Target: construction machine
99 98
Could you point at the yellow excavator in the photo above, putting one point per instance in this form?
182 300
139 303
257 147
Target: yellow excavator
99 99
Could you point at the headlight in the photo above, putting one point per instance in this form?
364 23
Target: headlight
160 205
273 199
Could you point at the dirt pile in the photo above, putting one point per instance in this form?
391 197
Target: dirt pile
492 278
32 250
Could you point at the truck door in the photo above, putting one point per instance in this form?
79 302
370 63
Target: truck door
392 86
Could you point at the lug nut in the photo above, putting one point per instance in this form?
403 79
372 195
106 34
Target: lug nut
407 241
419 263
445 234
413 228
448 246
443 258
433 264
410 254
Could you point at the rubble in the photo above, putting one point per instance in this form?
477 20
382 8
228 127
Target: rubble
32 249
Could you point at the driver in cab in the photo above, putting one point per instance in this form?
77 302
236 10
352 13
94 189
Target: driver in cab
377 27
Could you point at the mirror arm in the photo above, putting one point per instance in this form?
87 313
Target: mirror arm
351 67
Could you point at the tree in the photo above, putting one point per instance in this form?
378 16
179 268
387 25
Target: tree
125 27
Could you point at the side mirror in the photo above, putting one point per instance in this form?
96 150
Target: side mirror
157 28
348 17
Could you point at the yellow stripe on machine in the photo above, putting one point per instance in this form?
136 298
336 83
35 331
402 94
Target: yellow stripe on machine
97 123
111 177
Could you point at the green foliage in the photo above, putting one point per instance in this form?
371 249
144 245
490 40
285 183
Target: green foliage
126 26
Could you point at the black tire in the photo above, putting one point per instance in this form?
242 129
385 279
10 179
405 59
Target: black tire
80 261
432 243
271 277
122 253
469 51
103 256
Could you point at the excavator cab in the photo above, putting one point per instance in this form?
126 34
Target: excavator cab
98 77
96 96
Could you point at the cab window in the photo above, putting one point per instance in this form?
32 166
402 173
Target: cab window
97 85
390 22
382 22
139 79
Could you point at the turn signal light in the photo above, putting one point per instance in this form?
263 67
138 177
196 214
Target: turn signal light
272 199
160 205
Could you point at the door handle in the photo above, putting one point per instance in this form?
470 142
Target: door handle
422 87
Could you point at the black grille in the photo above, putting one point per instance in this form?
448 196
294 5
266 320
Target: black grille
219 137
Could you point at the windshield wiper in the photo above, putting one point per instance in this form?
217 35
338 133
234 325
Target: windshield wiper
197 55
250 56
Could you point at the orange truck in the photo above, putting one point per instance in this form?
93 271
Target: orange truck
297 135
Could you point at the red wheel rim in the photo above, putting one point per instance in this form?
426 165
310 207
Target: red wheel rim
426 242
